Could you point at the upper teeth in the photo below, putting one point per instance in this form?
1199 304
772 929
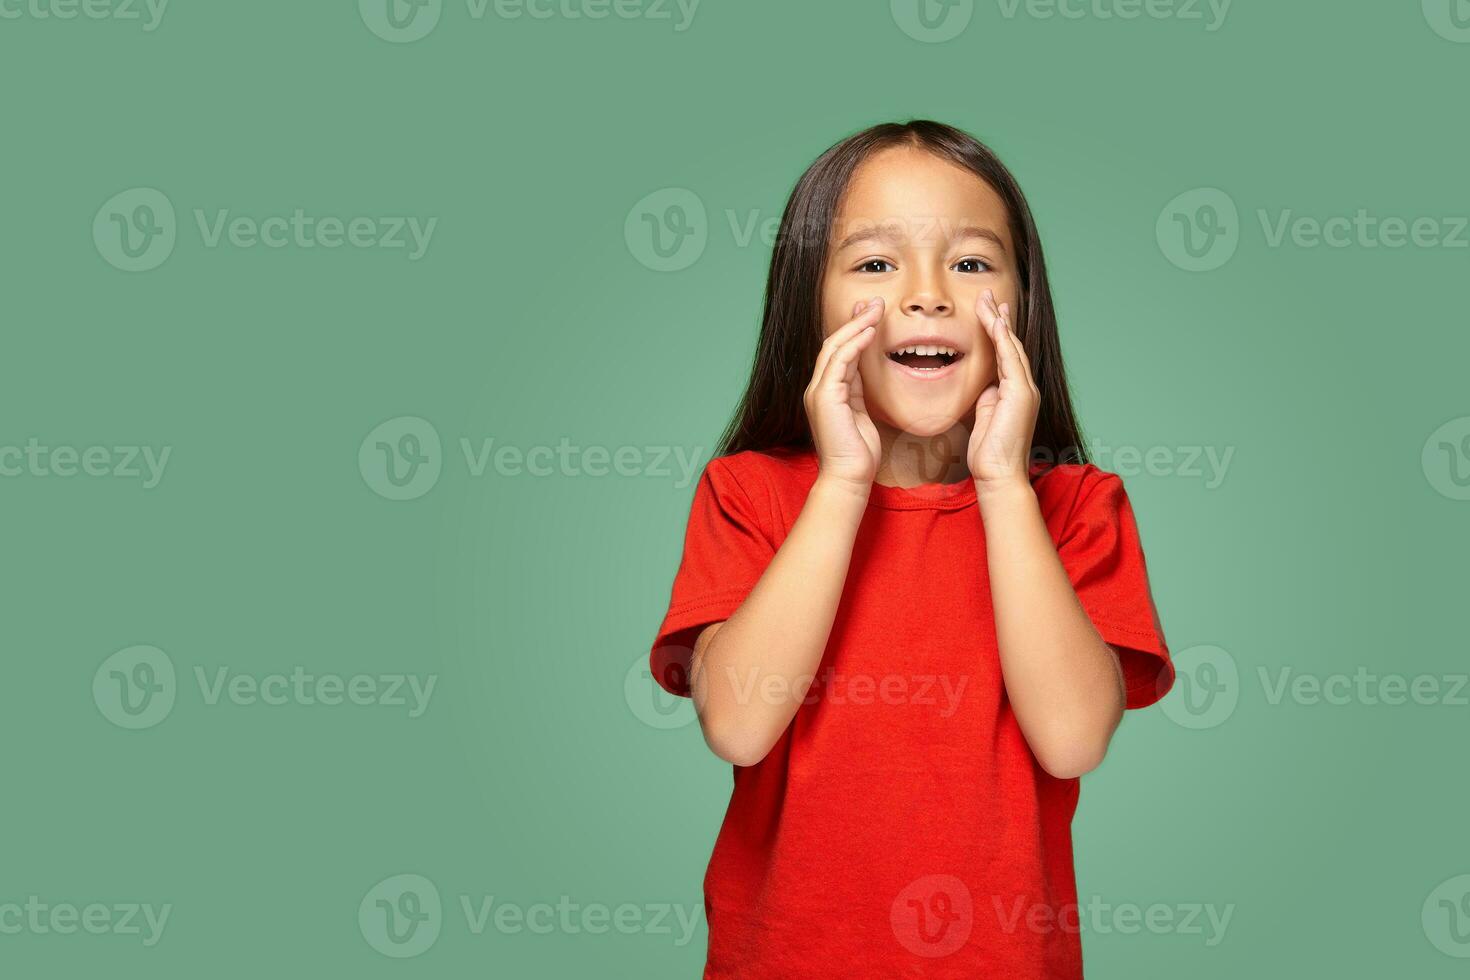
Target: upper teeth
929 350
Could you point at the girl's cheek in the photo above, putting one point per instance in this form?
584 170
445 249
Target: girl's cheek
832 315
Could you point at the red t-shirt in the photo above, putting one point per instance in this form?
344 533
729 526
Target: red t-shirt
901 827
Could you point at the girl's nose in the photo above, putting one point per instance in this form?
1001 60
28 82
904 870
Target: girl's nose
925 293
926 302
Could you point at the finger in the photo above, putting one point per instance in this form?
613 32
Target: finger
842 365
837 373
868 315
1010 329
835 340
1010 356
990 317
986 309
835 385
1004 354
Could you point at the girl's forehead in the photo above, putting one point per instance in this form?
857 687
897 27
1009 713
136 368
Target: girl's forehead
908 194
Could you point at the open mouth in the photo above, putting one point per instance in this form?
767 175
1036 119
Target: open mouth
925 357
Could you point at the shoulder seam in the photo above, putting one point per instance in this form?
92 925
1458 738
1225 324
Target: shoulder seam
761 513
1084 491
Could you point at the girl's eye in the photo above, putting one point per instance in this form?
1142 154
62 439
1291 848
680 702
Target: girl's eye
868 265
974 265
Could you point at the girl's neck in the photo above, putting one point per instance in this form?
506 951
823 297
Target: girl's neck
908 460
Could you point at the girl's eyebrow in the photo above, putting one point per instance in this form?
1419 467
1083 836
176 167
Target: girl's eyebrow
884 233
973 231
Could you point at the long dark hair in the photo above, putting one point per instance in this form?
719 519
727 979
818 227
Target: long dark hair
771 414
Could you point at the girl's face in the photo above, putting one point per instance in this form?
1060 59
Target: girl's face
929 237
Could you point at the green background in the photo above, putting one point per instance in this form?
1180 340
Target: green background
534 774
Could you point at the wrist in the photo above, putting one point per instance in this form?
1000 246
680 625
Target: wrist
841 490
1004 493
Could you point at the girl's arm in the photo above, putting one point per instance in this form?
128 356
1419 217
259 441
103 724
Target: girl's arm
1065 683
748 674
1063 680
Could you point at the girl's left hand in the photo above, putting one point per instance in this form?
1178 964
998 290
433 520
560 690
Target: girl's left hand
1005 414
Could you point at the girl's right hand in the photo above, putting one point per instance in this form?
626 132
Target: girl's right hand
846 440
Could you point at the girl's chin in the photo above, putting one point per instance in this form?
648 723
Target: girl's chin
925 424
929 419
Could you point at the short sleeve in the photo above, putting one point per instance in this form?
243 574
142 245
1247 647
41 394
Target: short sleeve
1103 555
726 550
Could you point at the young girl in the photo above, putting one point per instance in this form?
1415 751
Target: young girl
909 611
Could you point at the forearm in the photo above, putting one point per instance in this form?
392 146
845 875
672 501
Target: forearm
749 677
1063 680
